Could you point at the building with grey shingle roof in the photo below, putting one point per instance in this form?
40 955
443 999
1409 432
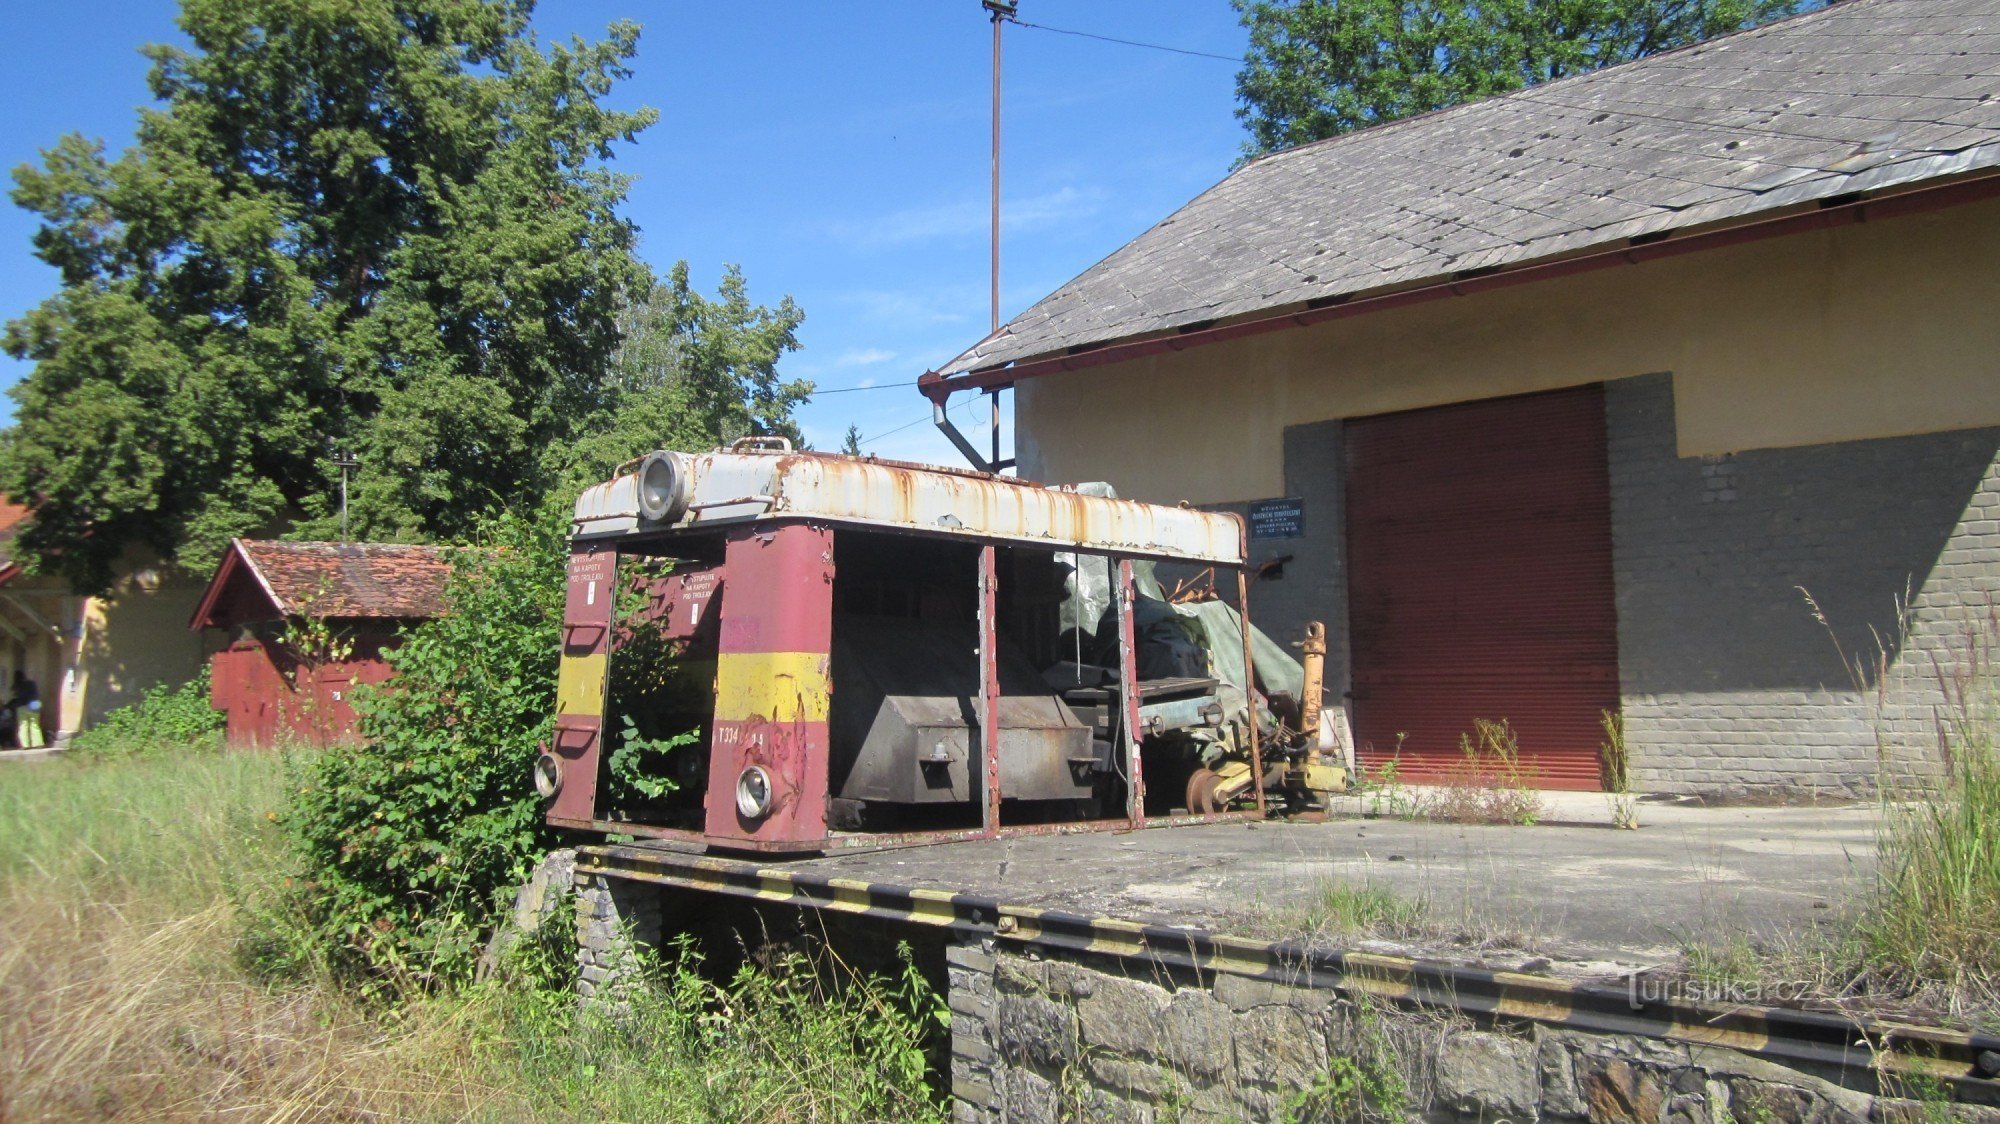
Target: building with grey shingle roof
1865 96
1670 391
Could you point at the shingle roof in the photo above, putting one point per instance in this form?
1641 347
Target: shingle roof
1864 95
334 579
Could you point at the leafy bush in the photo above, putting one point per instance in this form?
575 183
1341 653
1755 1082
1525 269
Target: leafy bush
405 842
177 718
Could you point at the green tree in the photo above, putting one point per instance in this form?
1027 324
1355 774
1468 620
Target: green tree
851 444
381 225
691 372
1318 68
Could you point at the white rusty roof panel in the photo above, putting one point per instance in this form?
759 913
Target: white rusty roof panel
736 487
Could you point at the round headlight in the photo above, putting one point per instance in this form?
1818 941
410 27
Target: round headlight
753 793
548 775
663 486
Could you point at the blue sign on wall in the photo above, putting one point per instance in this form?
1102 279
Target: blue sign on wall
1278 519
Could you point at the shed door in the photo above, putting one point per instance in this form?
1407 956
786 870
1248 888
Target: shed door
1479 548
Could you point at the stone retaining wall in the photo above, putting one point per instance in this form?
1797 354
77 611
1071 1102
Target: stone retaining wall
1049 1040
1037 1039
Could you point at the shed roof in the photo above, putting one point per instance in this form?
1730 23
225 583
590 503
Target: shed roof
1862 96
12 515
264 579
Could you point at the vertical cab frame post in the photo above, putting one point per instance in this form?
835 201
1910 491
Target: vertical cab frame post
583 680
989 686
1250 689
1128 694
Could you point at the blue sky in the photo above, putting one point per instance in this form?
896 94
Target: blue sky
837 152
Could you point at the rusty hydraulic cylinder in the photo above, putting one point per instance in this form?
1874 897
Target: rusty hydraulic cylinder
1314 650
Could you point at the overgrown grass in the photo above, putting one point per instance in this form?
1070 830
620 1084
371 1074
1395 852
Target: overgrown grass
1923 941
1936 918
127 990
1344 909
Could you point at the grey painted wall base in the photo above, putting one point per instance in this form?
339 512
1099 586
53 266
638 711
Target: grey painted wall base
1779 610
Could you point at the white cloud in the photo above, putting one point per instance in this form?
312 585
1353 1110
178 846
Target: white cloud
970 218
863 357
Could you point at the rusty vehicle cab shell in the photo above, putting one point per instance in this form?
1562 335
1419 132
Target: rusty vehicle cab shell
836 631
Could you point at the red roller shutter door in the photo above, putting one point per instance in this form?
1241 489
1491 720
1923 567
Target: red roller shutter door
1479 570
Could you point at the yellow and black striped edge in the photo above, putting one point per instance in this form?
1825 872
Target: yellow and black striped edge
1812 1038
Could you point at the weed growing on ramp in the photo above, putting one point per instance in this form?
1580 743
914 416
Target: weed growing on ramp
1937 917
1615 771
1489 783
1344 909
800 1036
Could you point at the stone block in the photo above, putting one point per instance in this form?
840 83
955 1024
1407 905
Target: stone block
1197 1035
1098 1105
1123 1016
1784 1103
1069 981
1556 1067
1619 1092
964 1001
970 957
1037 1030
1280 1047
973 1088
1487 1075
1128 1076
1020 976
973 1048
1240 993
1027 1097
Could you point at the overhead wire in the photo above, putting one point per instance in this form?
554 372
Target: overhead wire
1125 42
966 402
1058 31
870 386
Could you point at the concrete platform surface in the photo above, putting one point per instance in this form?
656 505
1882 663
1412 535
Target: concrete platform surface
1581 893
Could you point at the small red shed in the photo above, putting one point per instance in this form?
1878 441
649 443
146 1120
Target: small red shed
355 596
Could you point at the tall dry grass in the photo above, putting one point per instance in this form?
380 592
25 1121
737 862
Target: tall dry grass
137 893
1936 919
123 886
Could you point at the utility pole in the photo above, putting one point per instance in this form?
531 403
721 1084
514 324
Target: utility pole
345 462
1000 11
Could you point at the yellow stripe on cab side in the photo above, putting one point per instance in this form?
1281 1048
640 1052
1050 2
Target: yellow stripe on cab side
775 686
580 685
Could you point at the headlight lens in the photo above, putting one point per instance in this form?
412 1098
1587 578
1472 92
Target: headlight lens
548 775
663 486
753 793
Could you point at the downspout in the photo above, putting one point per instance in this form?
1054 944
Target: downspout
958 439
